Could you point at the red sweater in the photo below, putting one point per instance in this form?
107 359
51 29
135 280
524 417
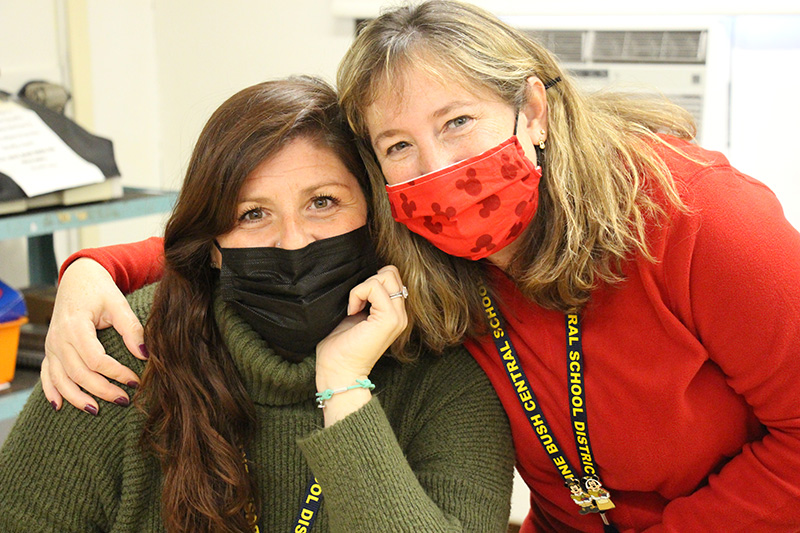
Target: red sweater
691 371
690 368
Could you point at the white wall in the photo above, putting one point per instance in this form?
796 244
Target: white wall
206 53
115 79
160 67
765 106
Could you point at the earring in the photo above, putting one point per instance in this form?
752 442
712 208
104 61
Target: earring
214 265
541 139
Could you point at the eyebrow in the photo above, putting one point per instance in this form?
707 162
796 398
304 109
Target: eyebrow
313 188
307 190
446 110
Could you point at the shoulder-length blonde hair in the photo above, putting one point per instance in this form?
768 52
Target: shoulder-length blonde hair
602 183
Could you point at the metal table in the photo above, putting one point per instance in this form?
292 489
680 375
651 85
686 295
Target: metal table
38 225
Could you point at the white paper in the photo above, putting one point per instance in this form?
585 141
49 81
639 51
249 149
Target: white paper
37 159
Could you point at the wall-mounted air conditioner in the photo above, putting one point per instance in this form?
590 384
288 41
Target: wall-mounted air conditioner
687 59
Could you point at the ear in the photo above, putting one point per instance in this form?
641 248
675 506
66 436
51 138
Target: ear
533 117
216 258
535 108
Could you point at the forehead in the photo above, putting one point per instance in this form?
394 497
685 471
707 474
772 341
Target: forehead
302 163
409 88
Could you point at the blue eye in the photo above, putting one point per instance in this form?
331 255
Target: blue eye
397 147
459 121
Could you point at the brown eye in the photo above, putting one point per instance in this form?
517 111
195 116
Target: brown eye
324 201
252 215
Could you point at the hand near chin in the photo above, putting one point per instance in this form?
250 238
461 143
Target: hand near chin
351 350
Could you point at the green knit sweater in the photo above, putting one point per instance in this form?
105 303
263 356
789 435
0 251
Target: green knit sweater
430 452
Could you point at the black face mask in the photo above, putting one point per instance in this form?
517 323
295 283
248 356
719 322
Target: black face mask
294 298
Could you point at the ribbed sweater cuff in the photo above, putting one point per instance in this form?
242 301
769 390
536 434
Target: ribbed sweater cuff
361 440
358 460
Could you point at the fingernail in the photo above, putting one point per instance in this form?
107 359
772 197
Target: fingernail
91 409
54 405
143 350
122 401
133 384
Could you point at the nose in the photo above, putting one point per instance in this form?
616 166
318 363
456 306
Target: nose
294 234
435 156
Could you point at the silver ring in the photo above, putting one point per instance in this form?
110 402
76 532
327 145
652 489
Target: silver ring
403 293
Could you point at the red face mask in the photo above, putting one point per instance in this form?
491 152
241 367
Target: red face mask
474 208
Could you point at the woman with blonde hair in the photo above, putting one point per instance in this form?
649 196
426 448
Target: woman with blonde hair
634 299
597 264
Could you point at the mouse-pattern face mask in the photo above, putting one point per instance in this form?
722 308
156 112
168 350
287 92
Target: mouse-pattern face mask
473 208
294 298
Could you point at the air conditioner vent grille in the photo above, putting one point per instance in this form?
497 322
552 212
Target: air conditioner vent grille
649 46
582 46
567 45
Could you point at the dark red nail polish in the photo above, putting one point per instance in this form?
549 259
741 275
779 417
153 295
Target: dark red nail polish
121 401
133 384
143 350
54 405
91 409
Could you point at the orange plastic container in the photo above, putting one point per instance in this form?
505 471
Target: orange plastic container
9 342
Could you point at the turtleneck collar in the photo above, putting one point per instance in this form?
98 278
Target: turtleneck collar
269 378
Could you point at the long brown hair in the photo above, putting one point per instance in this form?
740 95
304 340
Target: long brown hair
594 199
199 415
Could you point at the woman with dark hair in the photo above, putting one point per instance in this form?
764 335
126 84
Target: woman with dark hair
269 307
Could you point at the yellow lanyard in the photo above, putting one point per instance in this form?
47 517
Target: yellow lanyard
308 509
587 493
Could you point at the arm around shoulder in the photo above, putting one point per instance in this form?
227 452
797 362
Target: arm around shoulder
131 266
